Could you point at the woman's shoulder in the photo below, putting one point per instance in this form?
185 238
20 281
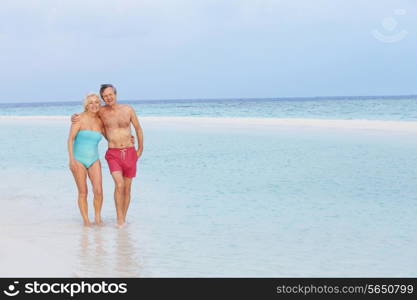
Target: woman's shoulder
83 117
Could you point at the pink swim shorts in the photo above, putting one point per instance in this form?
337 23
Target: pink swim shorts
122 159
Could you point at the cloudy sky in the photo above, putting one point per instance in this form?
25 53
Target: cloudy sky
171 49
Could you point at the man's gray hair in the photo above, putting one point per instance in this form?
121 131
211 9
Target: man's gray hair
105 86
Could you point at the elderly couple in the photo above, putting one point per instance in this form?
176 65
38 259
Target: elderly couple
113 122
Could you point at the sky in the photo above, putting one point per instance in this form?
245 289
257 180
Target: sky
199 49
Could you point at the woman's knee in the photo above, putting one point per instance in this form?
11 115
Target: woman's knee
83 193
98 192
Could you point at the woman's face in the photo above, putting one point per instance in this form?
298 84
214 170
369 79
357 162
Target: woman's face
93 105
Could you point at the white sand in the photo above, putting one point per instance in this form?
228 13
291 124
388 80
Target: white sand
270 123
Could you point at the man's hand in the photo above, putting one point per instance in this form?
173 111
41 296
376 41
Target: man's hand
75 118
139 154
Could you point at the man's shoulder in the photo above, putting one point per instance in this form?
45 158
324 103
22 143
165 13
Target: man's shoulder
103 109
125 106
103 113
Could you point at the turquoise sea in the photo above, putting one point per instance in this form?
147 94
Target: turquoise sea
372 108
220 195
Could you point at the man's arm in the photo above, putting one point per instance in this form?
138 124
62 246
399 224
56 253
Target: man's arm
138 129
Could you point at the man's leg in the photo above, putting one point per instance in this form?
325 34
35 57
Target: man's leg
119 187
127 189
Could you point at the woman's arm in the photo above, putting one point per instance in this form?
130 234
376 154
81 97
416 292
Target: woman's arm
75 127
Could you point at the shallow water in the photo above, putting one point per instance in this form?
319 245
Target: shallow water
210 201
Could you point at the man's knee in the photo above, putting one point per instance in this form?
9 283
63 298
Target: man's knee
127 188
120 185
126 191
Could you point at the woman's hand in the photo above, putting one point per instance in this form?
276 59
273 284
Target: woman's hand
72 165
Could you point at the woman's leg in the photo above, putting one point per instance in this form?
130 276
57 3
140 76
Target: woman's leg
94 173
80 176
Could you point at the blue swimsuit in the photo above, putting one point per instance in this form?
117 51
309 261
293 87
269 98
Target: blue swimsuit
86 147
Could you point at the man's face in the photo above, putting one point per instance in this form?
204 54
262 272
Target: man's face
109 96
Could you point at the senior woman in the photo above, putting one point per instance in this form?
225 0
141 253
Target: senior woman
83 142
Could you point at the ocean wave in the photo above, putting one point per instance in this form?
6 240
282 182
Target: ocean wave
11 117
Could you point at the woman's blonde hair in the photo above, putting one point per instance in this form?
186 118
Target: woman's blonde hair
87 99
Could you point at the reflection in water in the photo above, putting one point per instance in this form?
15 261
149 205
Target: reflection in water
107 252
126 260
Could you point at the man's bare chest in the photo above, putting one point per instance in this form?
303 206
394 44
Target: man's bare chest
117 119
